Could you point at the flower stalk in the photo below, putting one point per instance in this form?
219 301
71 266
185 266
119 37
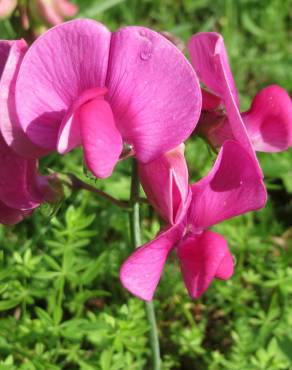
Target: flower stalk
76 184
136 241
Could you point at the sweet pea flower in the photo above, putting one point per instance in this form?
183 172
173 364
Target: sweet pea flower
80 84
22 189
267 125
170 173
231 188
11 55
11 216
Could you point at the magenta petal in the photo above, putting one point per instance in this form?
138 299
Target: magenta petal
165 182
141 272
210 101
10 126
210 61
269 120
17 180
10 216
5 46
234 125
207 52
101 140
153 91
202 258
231 188
61 64
69 135
226 267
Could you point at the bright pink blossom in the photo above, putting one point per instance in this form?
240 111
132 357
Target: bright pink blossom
231 188
80 84
268 123
170 173
269 120
21 188
11 54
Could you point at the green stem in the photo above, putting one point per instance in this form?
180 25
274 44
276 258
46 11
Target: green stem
136 242
75 183
153 334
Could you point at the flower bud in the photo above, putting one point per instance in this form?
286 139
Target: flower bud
165 182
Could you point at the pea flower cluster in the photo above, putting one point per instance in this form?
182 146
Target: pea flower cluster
133 93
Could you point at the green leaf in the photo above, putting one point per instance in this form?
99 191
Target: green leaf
44 275
95 9
8 304
58 314
43 316
106 359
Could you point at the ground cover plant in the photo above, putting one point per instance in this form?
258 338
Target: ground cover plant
62 305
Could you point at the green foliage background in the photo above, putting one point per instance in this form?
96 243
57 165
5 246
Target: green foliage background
61 303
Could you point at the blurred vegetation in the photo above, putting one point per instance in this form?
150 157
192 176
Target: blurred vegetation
62 306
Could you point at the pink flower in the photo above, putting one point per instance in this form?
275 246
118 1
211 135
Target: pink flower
21 188
11 55
11 216
170 173
267 126
79 84
231 188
